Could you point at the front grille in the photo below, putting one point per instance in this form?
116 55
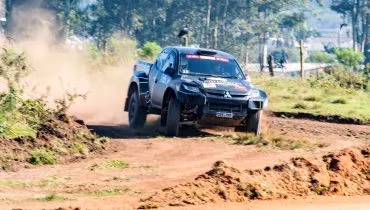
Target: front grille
230 108
221 93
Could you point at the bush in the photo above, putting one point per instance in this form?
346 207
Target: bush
339 76
321 57
150 50
122 48
42 156
348 57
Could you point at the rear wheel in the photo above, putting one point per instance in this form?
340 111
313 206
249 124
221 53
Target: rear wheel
254 122
173 117
136 114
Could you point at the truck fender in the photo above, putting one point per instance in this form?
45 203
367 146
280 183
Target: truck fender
139 82
170 92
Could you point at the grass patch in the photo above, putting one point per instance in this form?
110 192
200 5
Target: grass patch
52 181
312 98
51 197
274 141
113 192
291 95
340 101
43 156
79 148
300 105
110 164
15 184
120 164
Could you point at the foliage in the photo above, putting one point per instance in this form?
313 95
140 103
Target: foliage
349 57
357 12
316 96
43 156
274 141
150 50
51 197
122 48
321 57
110 164
79 148
13 66
232 25
339 76
30 123
367 77
114 192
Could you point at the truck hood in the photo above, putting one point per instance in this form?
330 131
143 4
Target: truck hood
218 83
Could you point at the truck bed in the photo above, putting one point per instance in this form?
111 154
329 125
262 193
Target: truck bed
143 66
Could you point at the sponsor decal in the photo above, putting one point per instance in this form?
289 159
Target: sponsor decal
222 82
189 56
209 85
240 87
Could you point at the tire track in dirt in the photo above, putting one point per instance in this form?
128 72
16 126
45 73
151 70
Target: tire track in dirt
171 161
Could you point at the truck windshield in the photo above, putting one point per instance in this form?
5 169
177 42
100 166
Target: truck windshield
210 66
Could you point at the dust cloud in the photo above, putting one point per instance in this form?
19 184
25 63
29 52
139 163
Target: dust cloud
58 69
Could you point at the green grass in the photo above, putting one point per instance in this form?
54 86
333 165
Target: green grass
110 164
43 156
113 192
50 197
79 148
12 126
15 184
273 141
120 164
294 96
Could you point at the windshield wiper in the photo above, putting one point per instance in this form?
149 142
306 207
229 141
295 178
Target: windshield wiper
202 74
230 77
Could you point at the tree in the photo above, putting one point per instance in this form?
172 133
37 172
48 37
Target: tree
349 57
358 12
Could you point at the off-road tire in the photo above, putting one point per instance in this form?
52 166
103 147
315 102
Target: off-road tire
173 117
254 121
136 113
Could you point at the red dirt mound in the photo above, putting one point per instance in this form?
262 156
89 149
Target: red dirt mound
343 173
59 139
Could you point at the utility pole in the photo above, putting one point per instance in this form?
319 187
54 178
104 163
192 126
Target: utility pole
301 58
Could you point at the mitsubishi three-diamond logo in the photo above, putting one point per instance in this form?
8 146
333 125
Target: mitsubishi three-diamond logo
227 94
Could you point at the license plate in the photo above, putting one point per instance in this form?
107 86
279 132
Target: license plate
224 115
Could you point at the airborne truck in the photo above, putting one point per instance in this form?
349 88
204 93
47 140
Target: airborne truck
193 85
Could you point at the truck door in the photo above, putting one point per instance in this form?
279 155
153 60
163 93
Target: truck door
153 74
162 81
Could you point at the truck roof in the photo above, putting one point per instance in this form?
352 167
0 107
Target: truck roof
194 50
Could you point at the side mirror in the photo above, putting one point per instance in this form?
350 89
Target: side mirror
170 71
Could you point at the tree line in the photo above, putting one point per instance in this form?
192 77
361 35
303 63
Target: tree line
231 25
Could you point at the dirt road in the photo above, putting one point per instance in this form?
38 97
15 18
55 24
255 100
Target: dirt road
155 162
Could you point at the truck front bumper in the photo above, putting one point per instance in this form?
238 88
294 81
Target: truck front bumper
220 110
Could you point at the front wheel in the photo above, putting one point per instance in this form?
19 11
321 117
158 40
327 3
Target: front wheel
173 117
254 120
136 114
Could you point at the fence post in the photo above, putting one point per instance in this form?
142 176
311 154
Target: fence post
301 58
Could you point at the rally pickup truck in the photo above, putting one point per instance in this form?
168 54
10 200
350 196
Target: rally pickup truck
194 86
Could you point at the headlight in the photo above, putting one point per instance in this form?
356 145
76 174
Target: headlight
255 93
191 88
